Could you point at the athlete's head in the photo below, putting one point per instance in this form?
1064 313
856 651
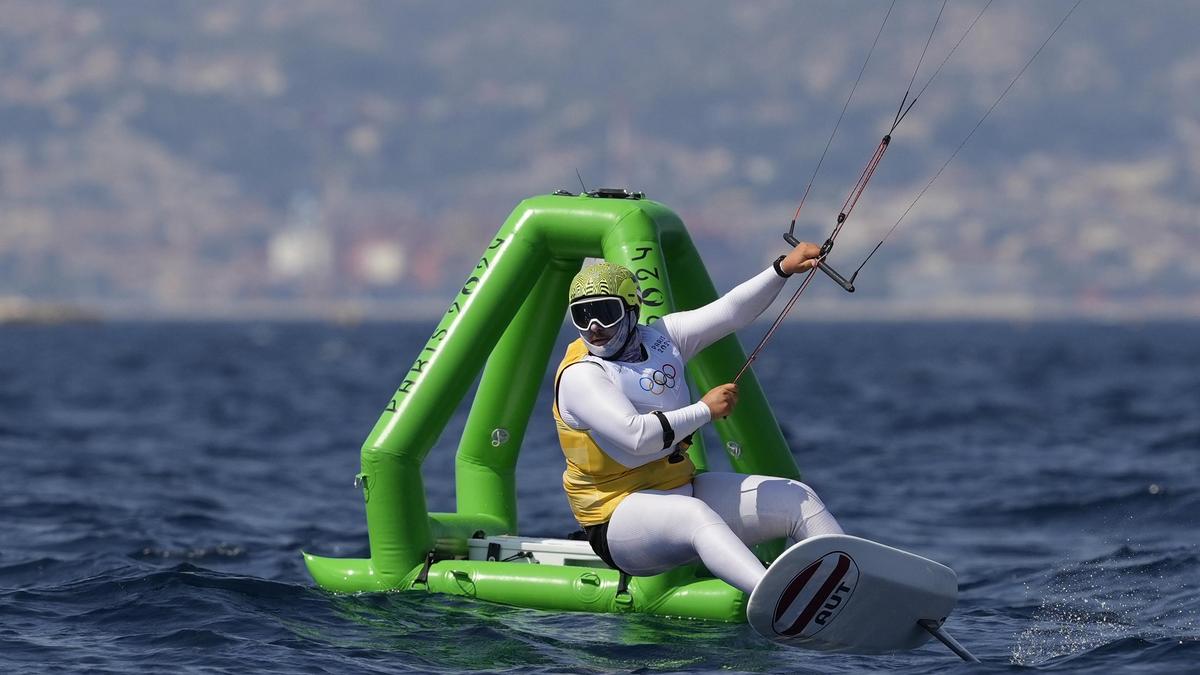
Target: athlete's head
604 300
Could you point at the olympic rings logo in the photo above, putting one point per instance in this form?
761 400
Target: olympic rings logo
659 381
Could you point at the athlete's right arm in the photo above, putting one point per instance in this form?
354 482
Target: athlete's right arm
695 329
588 400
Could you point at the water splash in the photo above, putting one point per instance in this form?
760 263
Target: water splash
1116 597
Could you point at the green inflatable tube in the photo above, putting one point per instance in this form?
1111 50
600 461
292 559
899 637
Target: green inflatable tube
502 327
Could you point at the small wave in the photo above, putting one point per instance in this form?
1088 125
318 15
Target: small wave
1061 630
945 415
190 638
1119 598
1187 439
187 574
124 579
36 566
1125 502
198 522
1129 560
9 433
1127 651
49 508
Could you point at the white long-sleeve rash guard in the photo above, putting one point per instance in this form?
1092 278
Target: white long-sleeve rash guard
589 400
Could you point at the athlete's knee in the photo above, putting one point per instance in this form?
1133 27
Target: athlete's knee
792 493
811 516
806 492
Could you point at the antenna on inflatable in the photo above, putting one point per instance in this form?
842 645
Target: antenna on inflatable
580 177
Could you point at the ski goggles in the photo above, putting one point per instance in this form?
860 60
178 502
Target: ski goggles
606 311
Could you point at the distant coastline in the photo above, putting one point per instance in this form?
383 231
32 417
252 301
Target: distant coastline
20 310
430 309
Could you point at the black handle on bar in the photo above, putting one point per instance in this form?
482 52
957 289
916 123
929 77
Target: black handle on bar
833 274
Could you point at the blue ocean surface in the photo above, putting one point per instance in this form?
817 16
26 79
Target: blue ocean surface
160 480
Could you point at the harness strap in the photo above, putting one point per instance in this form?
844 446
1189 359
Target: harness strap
681 449
668 432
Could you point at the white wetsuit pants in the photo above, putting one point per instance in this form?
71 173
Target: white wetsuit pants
715 519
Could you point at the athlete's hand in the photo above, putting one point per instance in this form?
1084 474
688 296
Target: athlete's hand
802 258
721 400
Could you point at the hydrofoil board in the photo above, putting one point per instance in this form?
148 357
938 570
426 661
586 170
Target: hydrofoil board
846 594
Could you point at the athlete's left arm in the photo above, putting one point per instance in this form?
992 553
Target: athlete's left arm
698 328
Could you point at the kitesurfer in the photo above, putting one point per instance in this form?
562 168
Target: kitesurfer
624 414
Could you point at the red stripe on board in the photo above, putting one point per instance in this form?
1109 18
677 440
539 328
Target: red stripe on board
793 589
822 595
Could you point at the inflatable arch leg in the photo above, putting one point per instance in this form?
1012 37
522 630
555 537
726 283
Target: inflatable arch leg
504 322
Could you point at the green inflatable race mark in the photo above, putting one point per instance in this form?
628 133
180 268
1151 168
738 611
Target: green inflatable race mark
503 324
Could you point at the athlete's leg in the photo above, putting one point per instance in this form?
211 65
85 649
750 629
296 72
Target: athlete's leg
652 531
761 508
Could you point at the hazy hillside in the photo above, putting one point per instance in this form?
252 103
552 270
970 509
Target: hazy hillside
243 158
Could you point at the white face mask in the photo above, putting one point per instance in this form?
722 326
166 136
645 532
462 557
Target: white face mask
617 335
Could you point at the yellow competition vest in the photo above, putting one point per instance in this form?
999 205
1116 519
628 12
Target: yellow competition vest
595 483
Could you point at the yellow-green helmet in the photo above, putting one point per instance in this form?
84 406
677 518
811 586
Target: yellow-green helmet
605 278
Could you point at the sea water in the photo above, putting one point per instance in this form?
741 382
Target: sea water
159 481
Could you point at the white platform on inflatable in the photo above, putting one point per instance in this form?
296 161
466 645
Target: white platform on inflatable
846 594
